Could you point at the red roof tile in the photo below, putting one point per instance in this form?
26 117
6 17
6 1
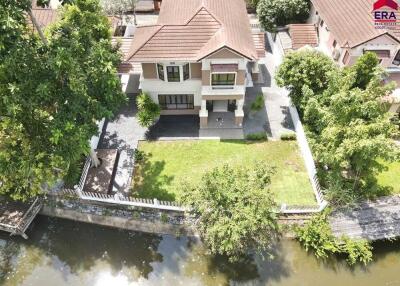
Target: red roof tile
303 35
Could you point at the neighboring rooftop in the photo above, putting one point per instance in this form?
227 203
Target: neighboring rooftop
350 21
296 36
194 29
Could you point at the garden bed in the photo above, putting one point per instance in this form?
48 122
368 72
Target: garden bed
167 164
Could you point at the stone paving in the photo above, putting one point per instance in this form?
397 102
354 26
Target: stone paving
123 133
275 118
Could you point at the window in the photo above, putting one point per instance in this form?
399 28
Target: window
321 23
334 44
160 69
186 72
176 101
120 31
396 60
173 74
218 79
346 57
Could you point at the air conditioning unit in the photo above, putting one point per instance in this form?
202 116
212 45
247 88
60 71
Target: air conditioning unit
336 54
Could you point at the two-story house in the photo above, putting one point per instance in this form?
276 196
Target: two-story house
198 58
347 29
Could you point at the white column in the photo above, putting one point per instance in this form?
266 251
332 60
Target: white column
203 114
239 114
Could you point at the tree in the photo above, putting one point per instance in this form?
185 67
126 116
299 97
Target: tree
304 68
365 69
278 13
51 97
235 209
120 8
355 131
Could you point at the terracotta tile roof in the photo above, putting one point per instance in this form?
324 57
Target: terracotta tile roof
125 45
194 29
350 21
303 35
259 42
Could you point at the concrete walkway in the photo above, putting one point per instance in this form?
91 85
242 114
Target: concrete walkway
123 133
275 119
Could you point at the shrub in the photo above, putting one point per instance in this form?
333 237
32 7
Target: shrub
138 155
316 235
258 103
277 13
149 111
289 136
257 136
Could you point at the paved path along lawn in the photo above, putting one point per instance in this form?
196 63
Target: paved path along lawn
169 163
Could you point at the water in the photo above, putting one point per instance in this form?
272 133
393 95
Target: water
61 252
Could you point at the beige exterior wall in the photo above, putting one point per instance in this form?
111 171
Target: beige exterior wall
181 111
195 70
149 71
224 54
205 77
240 77
222 97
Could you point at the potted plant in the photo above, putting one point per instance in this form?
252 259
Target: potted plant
257 105
149 111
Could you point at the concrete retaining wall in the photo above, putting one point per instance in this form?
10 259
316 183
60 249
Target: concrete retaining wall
129 218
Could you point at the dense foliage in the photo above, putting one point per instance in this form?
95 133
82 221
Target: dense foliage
308 68
149 111
317 236
350 129
235 210
278 13
52 94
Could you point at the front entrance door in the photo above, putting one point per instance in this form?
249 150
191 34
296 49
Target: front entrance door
220 105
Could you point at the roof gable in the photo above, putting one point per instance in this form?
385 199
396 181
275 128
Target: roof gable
193 29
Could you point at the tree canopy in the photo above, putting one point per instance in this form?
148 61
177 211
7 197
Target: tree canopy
235 210
278 13
51 96
349 126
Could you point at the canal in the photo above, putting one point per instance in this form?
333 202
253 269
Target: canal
61 252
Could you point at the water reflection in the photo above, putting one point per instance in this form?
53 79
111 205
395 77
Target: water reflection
67 253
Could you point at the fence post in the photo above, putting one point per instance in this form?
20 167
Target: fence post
283 207
156 203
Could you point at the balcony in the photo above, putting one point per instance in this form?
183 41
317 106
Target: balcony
208 90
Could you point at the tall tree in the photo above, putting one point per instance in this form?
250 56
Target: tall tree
235 210
51 97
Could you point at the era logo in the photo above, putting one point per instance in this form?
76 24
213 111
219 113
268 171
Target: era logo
384 11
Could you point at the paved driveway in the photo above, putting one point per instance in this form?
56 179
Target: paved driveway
175 126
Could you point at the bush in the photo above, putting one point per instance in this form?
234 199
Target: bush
278 13
149 111
258 103
289 136
316 235
138 155
74 173
257 136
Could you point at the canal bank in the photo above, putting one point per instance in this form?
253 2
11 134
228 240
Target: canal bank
62 252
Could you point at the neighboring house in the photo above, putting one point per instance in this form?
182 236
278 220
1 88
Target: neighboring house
123 33
198 58
346 30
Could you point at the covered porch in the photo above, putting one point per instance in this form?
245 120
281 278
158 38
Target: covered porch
221 113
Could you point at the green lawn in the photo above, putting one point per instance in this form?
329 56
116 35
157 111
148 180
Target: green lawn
391 178
168 163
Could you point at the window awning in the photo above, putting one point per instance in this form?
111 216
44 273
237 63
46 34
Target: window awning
224 67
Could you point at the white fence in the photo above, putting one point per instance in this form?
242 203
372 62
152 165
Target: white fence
307 156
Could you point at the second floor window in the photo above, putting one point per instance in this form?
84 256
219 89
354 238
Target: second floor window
160 69
221 79
173 74
186 73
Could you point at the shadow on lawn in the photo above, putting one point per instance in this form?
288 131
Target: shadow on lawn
148 181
